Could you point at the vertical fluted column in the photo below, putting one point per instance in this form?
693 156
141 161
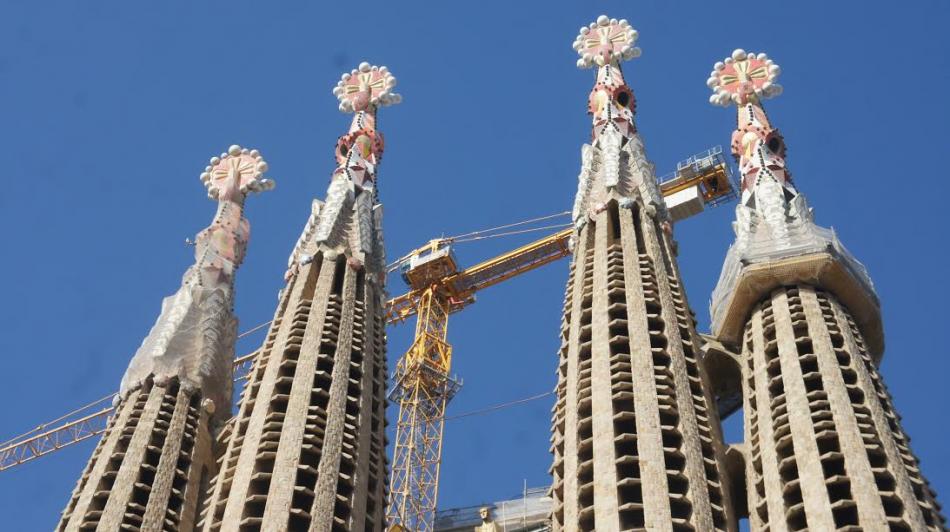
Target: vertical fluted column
308 447
823 453
635 441
881 418
147 470
635 437
307 451
577 300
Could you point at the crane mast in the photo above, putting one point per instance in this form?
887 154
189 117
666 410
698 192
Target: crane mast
422 385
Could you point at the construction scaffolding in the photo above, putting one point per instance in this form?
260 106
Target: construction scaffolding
705 179
529 511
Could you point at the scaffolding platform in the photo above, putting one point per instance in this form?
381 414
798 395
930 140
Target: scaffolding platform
528 512
703 179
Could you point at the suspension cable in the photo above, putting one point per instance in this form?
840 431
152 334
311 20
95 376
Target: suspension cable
518 232
464 237
488 233
506 226
254 329
493 408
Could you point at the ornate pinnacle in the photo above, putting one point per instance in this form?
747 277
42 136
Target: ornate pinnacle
229 179
235 173
611 103
366 86
361 91
773 221
349 221
193 338
743 77
606 41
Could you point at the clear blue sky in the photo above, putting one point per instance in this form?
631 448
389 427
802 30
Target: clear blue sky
108 113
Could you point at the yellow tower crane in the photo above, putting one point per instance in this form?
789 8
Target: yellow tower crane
422 384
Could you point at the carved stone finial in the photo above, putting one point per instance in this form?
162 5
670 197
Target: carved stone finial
236 172
193 338
606 41
365 86
743 77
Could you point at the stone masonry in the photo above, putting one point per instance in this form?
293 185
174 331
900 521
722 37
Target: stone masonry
636 437
824 449
155 458
307 449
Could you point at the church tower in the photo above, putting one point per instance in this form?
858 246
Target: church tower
636 437
307 447
824 446
155 458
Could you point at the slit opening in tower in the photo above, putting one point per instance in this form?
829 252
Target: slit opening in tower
339 273
725 377
637 227
313 273
204 488
664 252
613 215
360 284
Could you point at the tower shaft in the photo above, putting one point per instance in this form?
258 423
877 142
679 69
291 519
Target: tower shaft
148 470
826 448
151 466
636 437
307 448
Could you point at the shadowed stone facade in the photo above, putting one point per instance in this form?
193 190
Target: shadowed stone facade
636 437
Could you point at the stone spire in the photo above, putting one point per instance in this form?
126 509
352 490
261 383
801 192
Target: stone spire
611 104
155 456
350 220
823 448
773 220
635 435
307 447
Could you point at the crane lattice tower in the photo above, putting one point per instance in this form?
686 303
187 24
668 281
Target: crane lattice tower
636 436
825 448
307 447
154 460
